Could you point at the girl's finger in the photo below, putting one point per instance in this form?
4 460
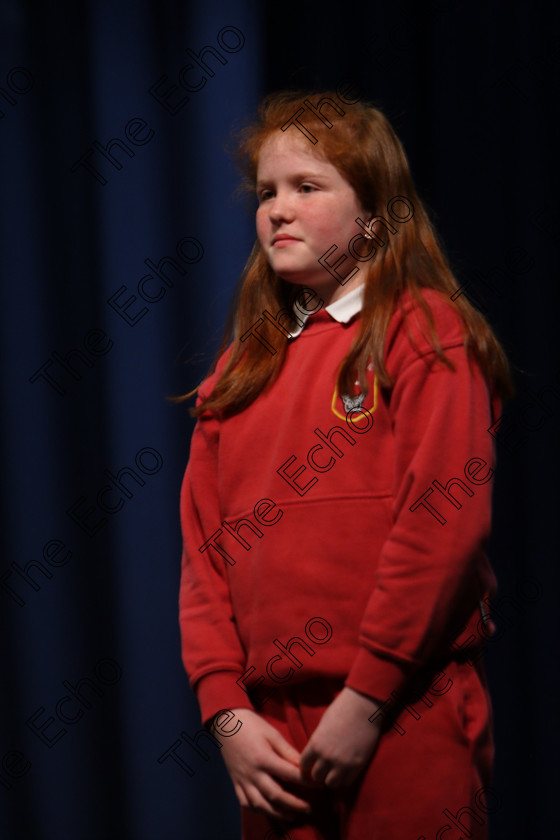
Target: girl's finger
308 758
241 796
289 772
333 779
283 747
283 800
321 770
257 802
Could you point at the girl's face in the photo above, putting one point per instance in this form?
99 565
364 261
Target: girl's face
305 207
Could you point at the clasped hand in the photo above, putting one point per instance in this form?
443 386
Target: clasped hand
259 758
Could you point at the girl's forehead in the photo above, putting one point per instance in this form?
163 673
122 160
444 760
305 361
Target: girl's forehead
283 149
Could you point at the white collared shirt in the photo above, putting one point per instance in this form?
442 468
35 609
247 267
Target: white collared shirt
342 310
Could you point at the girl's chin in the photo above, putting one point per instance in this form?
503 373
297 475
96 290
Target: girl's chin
298 276
306 283
309 278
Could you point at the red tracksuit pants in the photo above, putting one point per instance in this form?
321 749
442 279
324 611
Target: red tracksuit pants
428 780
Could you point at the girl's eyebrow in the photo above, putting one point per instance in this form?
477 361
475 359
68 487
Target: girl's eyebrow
298 176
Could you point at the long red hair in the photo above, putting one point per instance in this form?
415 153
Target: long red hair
366 151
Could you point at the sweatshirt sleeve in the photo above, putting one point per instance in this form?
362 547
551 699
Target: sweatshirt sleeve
212 652
432 570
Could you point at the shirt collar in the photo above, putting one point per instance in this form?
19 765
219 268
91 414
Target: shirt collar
342 310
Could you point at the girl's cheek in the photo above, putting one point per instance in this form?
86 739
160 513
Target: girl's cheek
261 226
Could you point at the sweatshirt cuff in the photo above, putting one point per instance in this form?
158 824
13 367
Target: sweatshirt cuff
219 690
376 676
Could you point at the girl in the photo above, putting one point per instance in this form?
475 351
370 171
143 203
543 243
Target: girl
337 500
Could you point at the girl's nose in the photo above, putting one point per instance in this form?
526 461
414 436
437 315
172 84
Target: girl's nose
281 207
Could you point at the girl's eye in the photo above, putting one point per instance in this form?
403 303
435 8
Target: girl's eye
265 195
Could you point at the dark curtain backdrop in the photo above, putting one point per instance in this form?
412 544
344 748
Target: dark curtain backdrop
120 245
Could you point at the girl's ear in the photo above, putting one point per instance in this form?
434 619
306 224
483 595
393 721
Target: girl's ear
367 219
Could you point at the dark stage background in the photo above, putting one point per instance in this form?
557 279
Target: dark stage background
117 265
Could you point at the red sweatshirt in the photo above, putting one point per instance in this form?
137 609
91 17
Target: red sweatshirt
375 522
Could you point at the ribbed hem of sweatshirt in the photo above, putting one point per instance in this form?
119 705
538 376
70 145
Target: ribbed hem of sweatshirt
218 691
376 676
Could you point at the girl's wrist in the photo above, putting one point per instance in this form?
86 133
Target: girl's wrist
368 702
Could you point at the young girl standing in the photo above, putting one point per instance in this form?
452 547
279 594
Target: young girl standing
337 501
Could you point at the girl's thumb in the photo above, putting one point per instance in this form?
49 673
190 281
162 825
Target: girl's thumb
284 748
